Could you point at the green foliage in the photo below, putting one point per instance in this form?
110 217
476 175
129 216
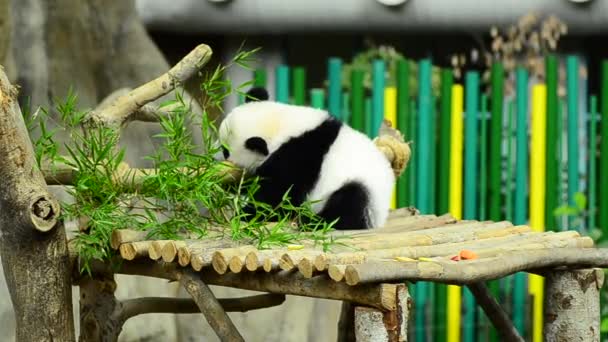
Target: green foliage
186 195
576 210
363 61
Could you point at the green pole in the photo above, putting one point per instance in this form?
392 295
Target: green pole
552 171
497 82
378 69
403 122
423 196
317 98
443 190
603 175
592 154
403 118
358 100
510 162
443 167
470 186
495 169
487 331
368 117
334 71
414 147
346 107
299 86
282 84
573 146
259 78
424 139
521 176
483 156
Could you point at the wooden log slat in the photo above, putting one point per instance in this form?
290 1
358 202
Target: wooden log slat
156 248
464 272
132 250
120 236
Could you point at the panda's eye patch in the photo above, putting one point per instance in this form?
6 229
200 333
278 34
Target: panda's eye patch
225 152
257 144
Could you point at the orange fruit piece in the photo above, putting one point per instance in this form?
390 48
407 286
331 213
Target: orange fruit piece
466 254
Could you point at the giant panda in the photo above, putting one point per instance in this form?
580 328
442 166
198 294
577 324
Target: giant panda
311 154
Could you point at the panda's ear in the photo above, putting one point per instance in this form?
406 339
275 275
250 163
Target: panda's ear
258 145
256 94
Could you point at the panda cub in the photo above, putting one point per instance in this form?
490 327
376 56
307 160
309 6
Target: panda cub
314 156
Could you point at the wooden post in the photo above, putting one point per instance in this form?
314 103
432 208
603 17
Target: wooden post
373 325
33 245
346 328
572 305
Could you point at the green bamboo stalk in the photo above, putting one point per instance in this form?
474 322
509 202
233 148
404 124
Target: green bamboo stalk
510 162
603 174
259 78
317 98
470 186
573 146
443 190
403 122
423 198
592 156
299 86
414 149
521 176
358 100
552 171
334 96
346 111
282 84
483 156
495 186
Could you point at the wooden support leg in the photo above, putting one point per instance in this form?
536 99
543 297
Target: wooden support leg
210 307
572 305
346 328
495 313
372 325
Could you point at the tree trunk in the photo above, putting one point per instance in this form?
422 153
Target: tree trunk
95 47
33 244
572 305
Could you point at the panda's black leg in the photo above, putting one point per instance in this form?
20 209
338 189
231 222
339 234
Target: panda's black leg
348 204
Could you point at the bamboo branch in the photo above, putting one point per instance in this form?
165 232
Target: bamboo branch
127 176
145 305
119 111
495 313
210 307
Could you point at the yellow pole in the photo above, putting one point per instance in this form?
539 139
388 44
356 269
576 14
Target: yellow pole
456 150
537 197
390 114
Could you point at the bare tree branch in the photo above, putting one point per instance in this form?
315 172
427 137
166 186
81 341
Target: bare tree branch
145 305
119 111
126 176
210 307
495 313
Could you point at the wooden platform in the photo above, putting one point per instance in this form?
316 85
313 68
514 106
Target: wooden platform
409 247
368 268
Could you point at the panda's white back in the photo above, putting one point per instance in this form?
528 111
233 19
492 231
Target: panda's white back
354 157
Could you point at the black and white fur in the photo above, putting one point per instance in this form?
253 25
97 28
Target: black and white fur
318 157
